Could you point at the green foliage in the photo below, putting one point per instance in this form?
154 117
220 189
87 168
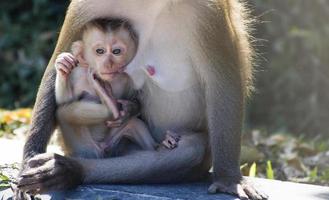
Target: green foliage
28 30
293 66
269 170
11 121
325 175
243 166
253 170
313 174
4 181
285 157
8 174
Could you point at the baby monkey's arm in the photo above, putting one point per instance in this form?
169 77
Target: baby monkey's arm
84 113
64 65
70 109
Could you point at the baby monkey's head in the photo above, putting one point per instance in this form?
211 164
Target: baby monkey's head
107 46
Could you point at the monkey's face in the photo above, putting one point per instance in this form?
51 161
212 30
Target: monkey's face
108 53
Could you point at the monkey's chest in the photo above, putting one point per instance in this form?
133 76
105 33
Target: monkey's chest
176 111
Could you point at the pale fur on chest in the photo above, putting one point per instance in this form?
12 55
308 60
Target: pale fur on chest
175 78
164 48
168 111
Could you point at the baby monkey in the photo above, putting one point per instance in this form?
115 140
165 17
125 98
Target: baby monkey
94 95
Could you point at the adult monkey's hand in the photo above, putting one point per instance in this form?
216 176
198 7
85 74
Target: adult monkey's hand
43 123
47 170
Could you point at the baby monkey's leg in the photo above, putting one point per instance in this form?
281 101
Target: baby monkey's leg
105 96
136 131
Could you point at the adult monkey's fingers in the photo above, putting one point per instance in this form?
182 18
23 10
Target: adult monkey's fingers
44 185
39 159
44 169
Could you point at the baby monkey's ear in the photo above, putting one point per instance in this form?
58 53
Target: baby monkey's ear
78 52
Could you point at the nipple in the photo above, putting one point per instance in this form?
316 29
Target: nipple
150 70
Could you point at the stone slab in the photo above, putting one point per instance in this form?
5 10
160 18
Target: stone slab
277 190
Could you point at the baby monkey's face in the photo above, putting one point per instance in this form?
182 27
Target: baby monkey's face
108 53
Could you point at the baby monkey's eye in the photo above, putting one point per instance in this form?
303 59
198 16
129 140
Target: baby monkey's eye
100 51
116 51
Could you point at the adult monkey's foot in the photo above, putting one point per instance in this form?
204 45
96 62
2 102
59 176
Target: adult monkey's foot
171 140
48 172
20 195
244 190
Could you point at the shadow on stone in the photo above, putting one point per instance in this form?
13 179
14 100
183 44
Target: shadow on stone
324 196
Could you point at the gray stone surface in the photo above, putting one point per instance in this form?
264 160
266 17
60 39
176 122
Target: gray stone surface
144 192
276 190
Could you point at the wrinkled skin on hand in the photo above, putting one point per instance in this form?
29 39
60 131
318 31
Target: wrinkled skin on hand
244 189
65 63
48 172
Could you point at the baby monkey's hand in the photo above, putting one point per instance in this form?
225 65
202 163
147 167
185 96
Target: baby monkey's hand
65 63
128 109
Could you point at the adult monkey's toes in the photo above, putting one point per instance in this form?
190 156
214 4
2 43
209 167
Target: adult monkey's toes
244 190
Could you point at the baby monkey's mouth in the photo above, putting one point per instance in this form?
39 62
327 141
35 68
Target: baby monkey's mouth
118 71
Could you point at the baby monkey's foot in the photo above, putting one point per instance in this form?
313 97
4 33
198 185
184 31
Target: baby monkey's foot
105 148
171 140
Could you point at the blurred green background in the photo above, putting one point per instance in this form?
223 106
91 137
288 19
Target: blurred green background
292 76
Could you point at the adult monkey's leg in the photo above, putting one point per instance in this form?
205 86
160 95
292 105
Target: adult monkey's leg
226 70
145 166
43 117
139 167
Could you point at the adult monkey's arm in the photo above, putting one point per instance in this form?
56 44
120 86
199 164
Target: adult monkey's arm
43 117
44 111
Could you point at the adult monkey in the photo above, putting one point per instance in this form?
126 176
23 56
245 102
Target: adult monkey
200 57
